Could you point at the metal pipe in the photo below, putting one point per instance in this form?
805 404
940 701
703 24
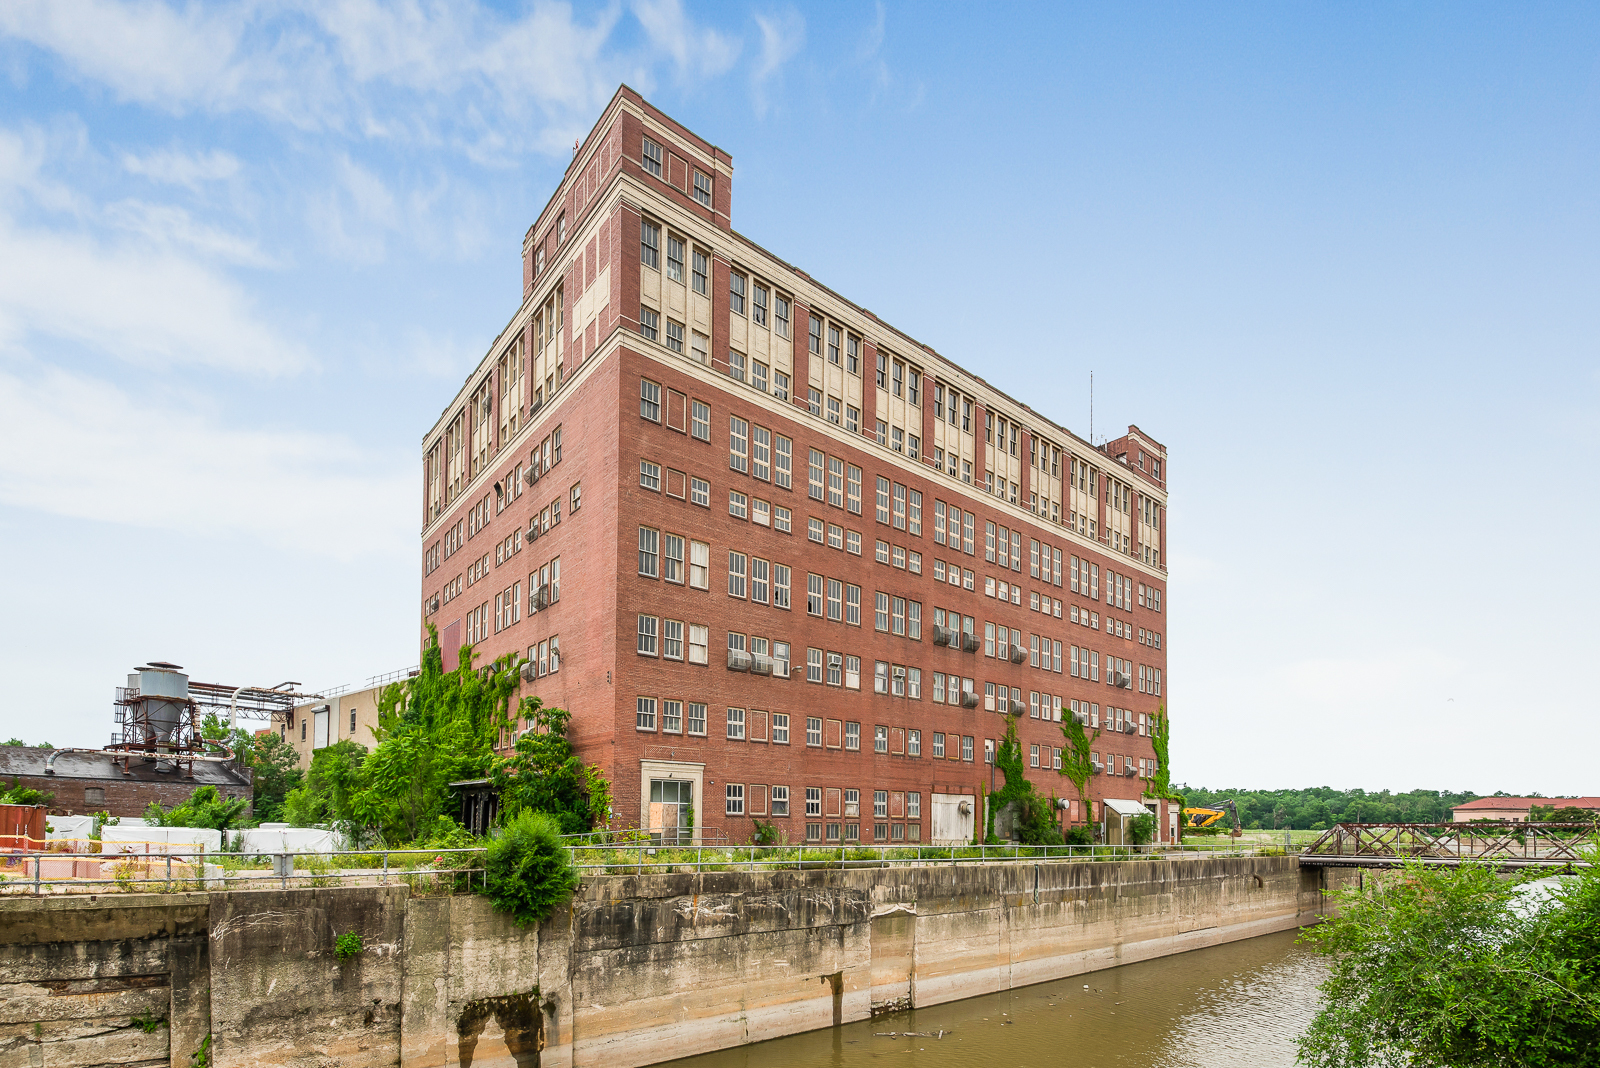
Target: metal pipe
49 762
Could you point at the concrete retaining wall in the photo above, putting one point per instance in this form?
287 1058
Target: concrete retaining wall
638 970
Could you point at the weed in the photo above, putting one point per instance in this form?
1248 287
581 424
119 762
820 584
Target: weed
347 945
147 1023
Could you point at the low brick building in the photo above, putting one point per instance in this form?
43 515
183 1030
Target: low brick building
84 782
1518 808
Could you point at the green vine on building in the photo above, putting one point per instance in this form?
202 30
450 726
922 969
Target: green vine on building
1160 784
1036 816
1077 761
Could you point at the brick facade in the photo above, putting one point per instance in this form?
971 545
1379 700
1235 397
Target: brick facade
87 783
604 439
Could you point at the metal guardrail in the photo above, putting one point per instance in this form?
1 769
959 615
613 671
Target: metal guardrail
38 872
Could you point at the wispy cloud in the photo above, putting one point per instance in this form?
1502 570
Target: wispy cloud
783 34
187 169
696 51
360 68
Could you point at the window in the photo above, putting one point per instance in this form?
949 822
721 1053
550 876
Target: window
700 492
883 500
696 721
780 660
649 244
736 724
675 261
780 728
650 475
760 571
880 741
672 717
700 349
814 585
700 565
780 800
833 410
645 714
813 665
736 365
697 277
938 746
880 802
647 635
672 639
672 558
650 400
649 544
783 461
780 312
814 529
736 293
735 799
852 736
883 371
702 188
880 619
738 444
674 336
737 565
651 157
813 802
780 585
700 421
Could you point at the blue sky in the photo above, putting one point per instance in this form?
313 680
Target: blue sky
1342 260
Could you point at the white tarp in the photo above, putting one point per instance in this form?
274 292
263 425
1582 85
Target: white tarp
259 840
121 839
69 826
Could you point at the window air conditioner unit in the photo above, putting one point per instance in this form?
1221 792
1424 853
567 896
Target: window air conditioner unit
738 661
527 672
1018 708
1126 682
541 597
944 636
1098 767
532 533
969 699
1130 771
1018 654
530 476
760 665
433 605
969 642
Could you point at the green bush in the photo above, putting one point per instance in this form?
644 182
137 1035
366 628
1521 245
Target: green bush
1080 835
528 870
1141 829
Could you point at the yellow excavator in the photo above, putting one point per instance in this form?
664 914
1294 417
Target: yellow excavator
1198 818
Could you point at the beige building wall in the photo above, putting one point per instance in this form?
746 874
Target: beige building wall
351 715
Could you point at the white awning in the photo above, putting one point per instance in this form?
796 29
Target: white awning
1126 808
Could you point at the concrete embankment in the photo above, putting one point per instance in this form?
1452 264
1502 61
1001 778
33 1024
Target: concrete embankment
638 970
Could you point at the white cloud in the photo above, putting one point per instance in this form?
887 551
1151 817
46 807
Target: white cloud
144 304
169 227
782 36
182 168
695 51
121 458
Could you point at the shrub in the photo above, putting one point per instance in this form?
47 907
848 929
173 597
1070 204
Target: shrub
528 869
347 945
1080 835
1141 829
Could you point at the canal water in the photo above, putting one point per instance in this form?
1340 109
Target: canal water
1240 1004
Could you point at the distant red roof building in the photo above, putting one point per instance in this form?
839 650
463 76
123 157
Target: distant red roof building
1517 808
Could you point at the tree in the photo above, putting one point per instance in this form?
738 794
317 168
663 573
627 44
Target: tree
544 775
327 795
1457 968
24 795
1077 762
203 808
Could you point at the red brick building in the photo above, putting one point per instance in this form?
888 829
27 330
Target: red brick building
779 559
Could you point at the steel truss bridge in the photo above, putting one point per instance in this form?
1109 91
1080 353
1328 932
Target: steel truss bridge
1506 844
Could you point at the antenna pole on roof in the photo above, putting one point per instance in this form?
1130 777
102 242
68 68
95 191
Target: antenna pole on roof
1091 408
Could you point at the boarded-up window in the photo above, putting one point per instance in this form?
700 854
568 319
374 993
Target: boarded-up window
833 736
897 740
833 795
677 403
758 800
758 726
897 805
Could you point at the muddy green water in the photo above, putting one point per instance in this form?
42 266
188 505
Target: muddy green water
1235 1006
